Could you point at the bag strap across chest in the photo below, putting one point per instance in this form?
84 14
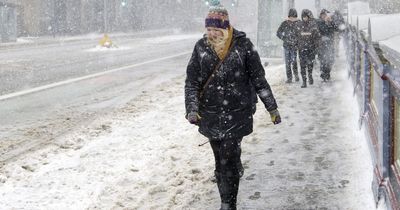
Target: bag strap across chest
210 78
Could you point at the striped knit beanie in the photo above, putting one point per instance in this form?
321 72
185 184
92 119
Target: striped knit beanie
217 16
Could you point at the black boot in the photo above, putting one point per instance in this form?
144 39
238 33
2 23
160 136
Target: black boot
304 85
310 67
225 206
228 187
295 71
328 76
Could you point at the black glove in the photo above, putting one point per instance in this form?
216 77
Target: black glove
275 116
193 118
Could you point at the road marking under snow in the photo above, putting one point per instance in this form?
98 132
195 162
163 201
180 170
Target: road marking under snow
37 89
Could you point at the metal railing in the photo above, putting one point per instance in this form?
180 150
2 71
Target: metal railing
374 72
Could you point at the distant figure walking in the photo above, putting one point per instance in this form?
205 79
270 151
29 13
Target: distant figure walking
326 48
340 28
308 41
287 32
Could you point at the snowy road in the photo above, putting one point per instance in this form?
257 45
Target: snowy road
144 155
37 65
40 110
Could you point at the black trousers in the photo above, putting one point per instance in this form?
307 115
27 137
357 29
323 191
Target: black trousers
227 166
326 55
291 62
307 58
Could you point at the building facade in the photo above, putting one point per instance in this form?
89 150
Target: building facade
65 17
8 23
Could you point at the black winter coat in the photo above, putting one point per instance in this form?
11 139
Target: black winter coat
326 50
326 29
309 35
226 104
338 22
287 32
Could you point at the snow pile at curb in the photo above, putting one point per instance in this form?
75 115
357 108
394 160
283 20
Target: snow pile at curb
139 157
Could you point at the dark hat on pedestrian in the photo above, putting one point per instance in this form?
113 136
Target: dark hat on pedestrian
323 12
306 13
292 13
217 16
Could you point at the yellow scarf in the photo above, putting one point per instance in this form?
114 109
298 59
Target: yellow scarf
221 44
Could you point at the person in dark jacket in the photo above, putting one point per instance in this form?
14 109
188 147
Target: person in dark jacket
222 71
326 49
287 32
340 28
338 21
308 40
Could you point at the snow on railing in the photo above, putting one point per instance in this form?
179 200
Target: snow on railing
393 44
357 8
353 20
391 50
360 23
383 27
363 20
375 65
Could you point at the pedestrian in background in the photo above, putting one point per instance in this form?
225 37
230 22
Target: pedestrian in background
340 28
326 48
223 69
287 32
308 40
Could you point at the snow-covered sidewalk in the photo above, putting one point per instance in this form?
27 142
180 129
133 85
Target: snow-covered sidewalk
145 155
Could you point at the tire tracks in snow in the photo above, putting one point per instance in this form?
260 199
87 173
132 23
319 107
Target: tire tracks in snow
44 132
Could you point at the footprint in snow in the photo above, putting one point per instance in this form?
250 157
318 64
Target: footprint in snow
251 177
256 196
343 183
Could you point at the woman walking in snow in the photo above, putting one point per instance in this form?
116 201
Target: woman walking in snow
221 73
287 32
308 39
